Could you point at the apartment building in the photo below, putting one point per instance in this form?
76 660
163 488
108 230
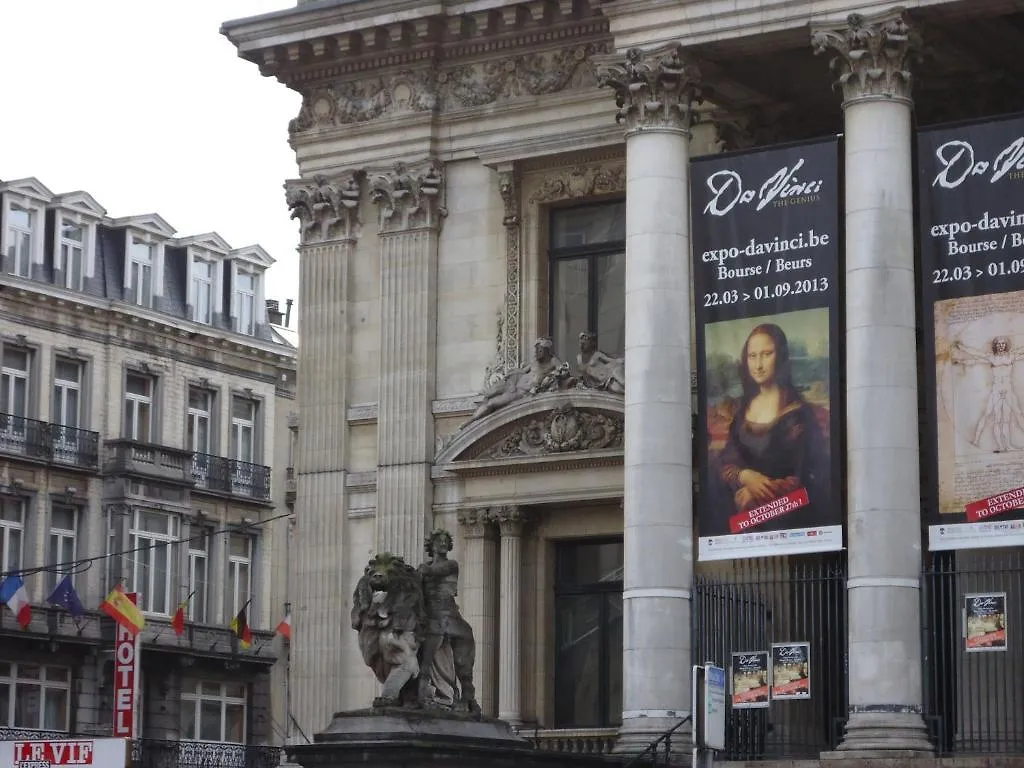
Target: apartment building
145 393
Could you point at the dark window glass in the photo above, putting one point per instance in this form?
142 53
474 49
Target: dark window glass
587 277
588 634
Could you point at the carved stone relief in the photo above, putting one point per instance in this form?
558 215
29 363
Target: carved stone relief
581 181
327 209
408 197
360 101
566 429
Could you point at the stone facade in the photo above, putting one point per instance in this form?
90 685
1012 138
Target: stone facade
124 413
463 138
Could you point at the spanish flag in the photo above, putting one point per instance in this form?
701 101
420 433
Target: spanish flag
240 626
178 622
121 609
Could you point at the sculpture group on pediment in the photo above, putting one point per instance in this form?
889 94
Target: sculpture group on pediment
411 632
547 373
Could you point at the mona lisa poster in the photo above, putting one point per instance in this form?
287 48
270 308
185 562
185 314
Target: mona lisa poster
766 263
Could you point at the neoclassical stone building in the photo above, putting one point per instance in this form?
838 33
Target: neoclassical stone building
481 182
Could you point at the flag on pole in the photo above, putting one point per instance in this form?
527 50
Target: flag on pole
284 629
122 610
240 626
64 596
178 622
15 596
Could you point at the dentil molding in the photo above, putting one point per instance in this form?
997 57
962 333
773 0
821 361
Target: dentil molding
327 209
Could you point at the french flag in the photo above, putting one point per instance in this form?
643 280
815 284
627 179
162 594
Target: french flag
14 594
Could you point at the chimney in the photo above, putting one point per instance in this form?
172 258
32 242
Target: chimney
274 315
288 313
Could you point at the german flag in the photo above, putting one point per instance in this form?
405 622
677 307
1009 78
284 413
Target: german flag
240 627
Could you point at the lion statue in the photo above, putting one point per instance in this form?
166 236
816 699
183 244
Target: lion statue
388 614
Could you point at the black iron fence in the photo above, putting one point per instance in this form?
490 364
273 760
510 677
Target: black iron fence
216 473
53 443
972 604
749 605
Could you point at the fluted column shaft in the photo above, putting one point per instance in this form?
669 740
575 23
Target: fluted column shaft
883 498
510 615
478 600
410 217
654 92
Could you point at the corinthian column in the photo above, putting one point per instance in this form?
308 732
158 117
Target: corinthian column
883 497
654 91
328 210
410 212
478 597
510 522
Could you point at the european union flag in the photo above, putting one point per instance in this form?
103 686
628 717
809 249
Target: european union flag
64 596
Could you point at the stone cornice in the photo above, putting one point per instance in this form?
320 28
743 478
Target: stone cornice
654 89
327 208
873 55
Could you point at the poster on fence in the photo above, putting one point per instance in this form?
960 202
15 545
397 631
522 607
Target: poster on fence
750 680
972 267
791 671
985 621
766 262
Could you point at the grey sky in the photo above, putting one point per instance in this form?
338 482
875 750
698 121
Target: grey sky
147 107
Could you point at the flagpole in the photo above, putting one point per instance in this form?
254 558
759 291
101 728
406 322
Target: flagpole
287 680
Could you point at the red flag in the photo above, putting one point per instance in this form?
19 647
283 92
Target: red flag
284 629
178 622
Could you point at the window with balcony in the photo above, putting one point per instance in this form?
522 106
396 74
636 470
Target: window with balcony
14 393
153 535
588 634
240 550
72 253
140 264
12 533
63 542
202 291
20 223
213 711
245 302
200 409
67 392
34 696
198 575
587 265
138 407
243 429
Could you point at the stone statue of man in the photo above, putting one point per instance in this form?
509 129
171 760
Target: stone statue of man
598 370
544 373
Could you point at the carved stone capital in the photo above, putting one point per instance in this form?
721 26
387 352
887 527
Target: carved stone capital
654 89
409 197
510 519
474 522
327 209
874 55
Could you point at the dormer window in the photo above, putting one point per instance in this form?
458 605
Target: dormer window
245 302
140 285
202 291
72 253
19 240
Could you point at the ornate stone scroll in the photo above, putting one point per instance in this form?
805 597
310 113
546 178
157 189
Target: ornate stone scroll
327 209
563 430
874 54
653 89
409 197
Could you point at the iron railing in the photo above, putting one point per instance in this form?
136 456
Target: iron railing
974 699
152 753
779 600
53 443
216 473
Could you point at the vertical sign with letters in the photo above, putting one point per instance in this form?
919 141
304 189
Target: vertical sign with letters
971 187
126 679
766 246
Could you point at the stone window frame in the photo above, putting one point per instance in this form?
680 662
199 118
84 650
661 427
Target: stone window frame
216 262
194 698
76 534
11 679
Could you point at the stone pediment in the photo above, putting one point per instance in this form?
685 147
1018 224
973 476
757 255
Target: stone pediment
577 426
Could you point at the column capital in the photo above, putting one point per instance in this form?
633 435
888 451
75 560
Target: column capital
510 519
327 208
654 89
474 522
873 55
409 196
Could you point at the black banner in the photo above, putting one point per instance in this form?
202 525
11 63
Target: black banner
766 245
971 189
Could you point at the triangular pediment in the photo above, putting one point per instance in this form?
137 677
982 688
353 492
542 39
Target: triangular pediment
147 222
550 427
210 241
29 187
254 254
80 202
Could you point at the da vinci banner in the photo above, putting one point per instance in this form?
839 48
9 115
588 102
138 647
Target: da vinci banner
765 260
971 182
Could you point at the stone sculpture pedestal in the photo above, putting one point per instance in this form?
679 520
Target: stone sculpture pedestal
410 738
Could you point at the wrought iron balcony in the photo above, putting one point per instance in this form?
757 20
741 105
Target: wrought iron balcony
30 734
158 462
151 753
238 478
52 443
